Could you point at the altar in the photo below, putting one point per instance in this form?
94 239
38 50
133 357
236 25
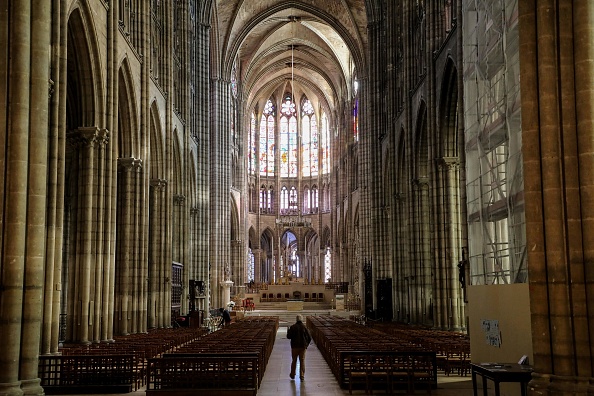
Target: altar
295 290
294 305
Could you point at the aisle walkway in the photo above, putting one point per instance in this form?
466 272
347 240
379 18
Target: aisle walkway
319 380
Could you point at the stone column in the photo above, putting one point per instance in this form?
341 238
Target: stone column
36 199
163 263
156 202
125 255
238 258
179 231
101 278
55 200
583 27
448 307
556 58
226 292
219 184
320 265
85 258
137 280
420 280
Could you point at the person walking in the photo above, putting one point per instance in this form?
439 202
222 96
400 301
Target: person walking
300 339
226 317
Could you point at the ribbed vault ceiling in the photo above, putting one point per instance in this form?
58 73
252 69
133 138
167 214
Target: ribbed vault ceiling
324 41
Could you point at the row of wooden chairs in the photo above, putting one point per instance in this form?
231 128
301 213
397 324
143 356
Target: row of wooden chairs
107 365
390 370
231 360
358 355
452 348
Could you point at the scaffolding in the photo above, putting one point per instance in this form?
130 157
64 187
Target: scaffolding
493 137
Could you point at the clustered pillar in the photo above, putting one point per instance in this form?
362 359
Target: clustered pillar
557 69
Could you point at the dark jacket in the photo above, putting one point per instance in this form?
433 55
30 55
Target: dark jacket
298 335
226 317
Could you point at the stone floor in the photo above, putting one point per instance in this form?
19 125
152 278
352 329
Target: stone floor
319 380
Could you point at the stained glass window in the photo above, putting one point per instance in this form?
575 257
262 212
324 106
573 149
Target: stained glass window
288 138
284 146
356 110
356 120
250 265
262 198
234 80
314 146
307 203
293 199
252 146
325 137
293 151
267 127
284 199
310 198
327 265
308 124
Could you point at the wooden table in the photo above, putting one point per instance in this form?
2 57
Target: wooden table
501 372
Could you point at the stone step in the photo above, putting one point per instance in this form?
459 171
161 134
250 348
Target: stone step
283 306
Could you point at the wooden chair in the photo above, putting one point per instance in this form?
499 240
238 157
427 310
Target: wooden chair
422 372
400 368
380 372
357 371
458 361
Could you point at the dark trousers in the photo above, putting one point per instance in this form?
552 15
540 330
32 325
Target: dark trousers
298 353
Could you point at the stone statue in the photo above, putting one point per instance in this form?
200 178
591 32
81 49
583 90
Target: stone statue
227 271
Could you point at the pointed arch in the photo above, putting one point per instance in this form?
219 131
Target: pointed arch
448 111
84 69
326 237
157 151
177 184
421 143
235 232
253 241
128 139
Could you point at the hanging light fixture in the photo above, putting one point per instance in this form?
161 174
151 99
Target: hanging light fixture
292 68
293 20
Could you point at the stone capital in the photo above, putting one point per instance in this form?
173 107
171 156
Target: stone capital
449 163
158 184
130 163
226 284
103 137
179 199
421 182
83 137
